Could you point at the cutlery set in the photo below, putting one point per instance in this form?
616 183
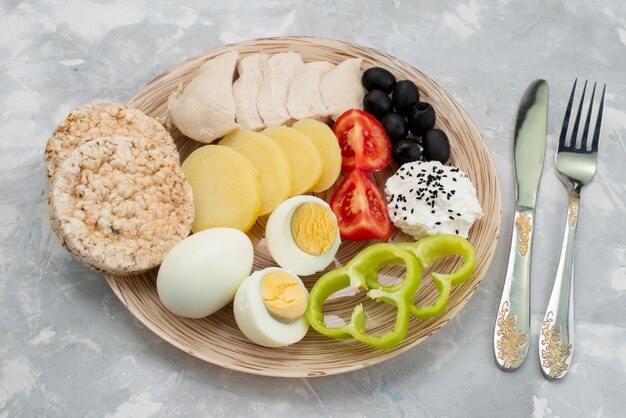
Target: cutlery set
575 165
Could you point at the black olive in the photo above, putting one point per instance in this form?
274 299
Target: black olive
395 126
406 151
379 79
436 146
405 96
421 118
377 103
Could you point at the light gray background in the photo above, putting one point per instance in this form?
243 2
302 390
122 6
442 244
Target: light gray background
69 348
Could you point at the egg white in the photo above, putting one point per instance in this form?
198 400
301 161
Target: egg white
283 247
201 274
255 321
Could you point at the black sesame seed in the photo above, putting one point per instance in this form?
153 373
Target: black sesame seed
458 214
451 218
457 232
412 209
432 211
405 218
437 223
450 210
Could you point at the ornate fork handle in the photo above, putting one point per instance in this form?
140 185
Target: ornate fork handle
556 341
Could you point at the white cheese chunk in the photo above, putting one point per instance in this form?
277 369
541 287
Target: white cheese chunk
427 198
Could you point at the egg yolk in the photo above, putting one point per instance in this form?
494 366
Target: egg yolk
283 296
314 228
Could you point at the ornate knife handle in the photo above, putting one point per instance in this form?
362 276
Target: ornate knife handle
556 341
512 329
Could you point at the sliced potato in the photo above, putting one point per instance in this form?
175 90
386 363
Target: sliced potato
226 190
326 143
306 161
270 161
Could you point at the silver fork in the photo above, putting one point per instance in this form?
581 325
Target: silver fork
575 166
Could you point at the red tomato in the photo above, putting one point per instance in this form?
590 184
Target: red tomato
363 141
360 208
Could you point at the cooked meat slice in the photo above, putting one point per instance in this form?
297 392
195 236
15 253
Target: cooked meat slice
205 109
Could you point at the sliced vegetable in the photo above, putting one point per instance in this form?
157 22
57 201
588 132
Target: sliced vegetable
362 272
363 141
432 248
226 189
326 143
360 208
359 273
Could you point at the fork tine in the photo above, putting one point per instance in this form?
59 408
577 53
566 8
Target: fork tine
568 111
572 142
596 132
583 141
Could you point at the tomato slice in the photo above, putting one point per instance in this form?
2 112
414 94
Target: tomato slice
360 208
363 141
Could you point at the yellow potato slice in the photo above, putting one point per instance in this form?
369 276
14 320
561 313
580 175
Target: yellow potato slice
326 143
226 190
306 161
270 161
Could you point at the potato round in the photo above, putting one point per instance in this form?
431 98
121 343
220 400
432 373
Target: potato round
270 161
306 161
226 189
119 204
326 143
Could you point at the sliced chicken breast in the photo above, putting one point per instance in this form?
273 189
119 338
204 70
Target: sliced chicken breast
205 109
246 91
278 72
341 87
305 99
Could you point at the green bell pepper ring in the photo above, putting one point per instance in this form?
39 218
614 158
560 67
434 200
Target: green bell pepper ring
360 272
430 249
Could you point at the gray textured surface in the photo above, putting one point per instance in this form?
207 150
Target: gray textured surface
69 348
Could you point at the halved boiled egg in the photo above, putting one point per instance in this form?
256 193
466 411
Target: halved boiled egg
269 307
302 235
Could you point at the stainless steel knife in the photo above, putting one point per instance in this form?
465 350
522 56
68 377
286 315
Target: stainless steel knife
512 329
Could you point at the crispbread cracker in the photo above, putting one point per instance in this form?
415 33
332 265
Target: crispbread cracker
103 119
119 204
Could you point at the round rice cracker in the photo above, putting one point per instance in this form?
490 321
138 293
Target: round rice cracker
103 119
119 204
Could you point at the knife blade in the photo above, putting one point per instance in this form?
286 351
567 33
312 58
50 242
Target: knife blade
512 328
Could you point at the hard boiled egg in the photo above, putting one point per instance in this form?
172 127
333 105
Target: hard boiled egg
269 308
201 274
302 235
